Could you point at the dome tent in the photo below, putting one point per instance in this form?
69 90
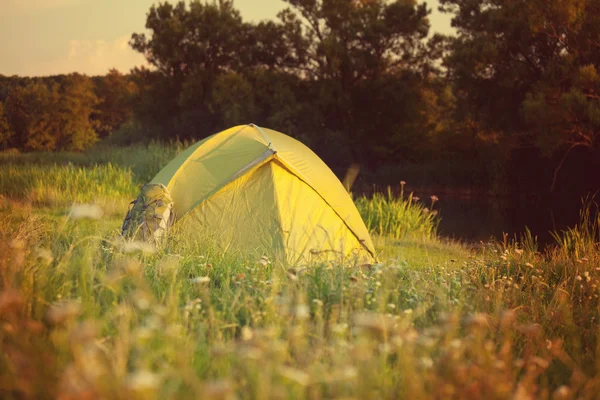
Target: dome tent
256 189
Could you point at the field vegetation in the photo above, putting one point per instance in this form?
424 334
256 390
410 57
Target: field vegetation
85 315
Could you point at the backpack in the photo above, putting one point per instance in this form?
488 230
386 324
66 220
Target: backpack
150 215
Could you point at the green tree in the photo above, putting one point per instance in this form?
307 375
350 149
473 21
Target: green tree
31 112
6 133
190 47
116 93
526 72
357 51
76 105
45 115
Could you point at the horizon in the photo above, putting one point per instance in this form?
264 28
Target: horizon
93 47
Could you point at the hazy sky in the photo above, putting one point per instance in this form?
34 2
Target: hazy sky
45 37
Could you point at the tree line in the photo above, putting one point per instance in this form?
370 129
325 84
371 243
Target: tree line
360 81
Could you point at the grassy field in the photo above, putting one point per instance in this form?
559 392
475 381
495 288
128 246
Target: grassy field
83 316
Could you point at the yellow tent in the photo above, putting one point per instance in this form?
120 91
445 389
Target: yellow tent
256 189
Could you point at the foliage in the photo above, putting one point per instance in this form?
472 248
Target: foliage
5 130
526 72
307 74
51 115
515 92
116 93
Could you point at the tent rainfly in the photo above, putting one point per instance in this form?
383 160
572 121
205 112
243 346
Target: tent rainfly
257 190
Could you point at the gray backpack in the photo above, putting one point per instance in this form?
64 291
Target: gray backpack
150 215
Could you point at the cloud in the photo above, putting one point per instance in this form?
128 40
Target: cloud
90 57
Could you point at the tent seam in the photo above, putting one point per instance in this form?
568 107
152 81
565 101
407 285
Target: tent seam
187 160
290 168
232 179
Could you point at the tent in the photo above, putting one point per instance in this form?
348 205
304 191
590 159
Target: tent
254 189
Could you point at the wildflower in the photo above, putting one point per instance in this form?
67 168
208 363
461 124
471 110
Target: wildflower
292 274
247 333
530 265
402 183
143 334
377 324
518 252
426 210
426 362
141 300
134 246
131 267
478 320
221 389
85 211
143 381
218 389
264 261
300 377
200 280
562 393
408 311
540 362
44 255
302 311
192 306
416 198
63 311
391 306
434 198
348 372
499 364
339 328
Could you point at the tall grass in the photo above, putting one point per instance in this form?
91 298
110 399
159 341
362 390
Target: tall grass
144 160
84 316
398 217
57 186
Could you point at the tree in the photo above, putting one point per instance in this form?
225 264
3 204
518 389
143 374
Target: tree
528 70
358 51
115 93
32 111
6 133
45 115
76 105
326 70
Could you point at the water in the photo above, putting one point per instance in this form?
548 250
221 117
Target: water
481 218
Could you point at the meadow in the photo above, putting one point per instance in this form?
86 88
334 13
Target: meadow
85 316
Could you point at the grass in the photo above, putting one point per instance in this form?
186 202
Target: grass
82 316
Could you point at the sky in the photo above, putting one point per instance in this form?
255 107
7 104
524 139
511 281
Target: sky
48 37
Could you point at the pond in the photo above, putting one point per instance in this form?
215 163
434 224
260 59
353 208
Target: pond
470 216
481 218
